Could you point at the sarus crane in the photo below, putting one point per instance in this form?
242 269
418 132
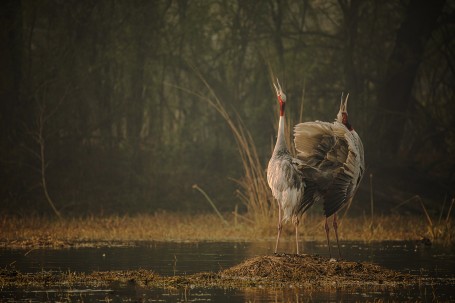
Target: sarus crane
327 168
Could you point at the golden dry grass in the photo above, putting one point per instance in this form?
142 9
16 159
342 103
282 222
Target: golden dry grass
313 271
122 230
302 271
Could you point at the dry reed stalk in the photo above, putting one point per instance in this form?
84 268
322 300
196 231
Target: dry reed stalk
371 198
450 210
256 194
430 222
195 186
413 198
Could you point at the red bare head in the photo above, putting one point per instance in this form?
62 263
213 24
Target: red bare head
342 115
281 96
344 119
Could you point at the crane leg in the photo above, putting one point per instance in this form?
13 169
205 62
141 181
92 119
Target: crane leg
335 227
296 223
328 237
280 227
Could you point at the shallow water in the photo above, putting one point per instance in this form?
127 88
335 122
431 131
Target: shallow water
167 258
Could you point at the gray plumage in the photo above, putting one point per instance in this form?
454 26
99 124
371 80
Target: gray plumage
337 154
285 177
327 169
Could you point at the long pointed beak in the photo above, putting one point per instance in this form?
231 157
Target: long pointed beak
341 102
278 89
346 103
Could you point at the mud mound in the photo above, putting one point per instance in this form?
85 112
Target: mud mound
300 271
314 270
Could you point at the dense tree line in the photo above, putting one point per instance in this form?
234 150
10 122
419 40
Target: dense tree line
101 100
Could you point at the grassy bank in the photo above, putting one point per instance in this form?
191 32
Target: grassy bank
31 232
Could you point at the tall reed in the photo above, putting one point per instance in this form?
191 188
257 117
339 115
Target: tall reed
254 193
440 230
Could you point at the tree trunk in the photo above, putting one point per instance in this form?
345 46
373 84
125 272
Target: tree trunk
350 11
13 110
277 9
394 100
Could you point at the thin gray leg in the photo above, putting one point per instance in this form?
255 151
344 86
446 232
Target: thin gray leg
296 223
280 226
327 234
335 227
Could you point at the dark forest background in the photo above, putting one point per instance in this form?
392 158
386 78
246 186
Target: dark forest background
93 118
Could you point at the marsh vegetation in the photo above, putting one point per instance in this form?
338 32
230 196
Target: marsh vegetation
35 232
388 270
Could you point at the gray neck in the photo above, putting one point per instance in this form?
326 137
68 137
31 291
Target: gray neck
281 141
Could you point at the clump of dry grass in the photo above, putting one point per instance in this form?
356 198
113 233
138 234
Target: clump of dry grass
314 271
440 229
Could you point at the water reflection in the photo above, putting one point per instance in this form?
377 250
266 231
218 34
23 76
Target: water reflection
188 258
138 294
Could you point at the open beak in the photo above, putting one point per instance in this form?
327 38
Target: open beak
279 91
344 103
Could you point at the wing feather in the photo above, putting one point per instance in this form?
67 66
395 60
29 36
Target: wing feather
335 152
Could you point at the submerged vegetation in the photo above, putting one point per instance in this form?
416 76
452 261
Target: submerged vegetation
33 232
301 271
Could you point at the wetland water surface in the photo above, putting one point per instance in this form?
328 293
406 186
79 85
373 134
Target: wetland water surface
174 259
